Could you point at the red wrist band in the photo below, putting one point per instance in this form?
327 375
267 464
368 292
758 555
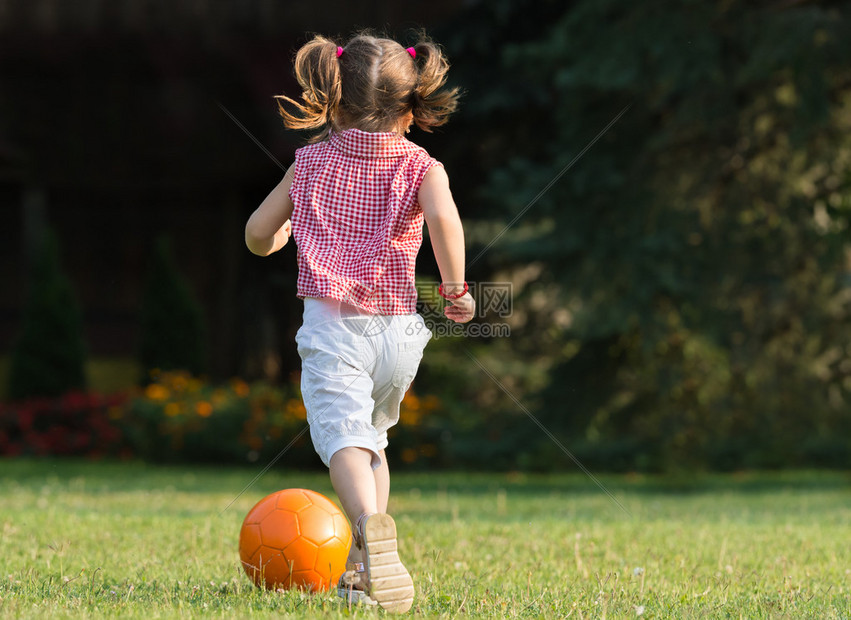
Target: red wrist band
451 297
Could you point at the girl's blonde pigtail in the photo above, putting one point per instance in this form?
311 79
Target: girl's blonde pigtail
431 106
317 70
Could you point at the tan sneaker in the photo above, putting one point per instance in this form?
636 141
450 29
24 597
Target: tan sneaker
388 581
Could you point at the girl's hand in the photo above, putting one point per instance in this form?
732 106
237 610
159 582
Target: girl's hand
461 310
282 235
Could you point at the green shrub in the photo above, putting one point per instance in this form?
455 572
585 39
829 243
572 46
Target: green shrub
48 359
172 322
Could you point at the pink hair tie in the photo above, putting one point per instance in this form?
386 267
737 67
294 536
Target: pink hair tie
412 52
339 51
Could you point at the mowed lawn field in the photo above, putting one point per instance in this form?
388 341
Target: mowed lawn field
81 539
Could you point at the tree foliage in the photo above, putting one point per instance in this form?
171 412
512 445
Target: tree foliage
700 246
49 356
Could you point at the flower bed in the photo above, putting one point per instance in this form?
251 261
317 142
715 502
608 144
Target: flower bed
76 424
178 417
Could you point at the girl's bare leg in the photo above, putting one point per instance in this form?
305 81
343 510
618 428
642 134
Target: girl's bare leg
363 490
355 482
382 483
360 488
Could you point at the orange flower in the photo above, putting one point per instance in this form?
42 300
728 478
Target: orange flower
204 409
172 409
431 402
410 409
295 408
115 413
219 396
155 391
411 400
239 387
179 380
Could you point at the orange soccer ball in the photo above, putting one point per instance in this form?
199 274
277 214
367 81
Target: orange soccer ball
295 538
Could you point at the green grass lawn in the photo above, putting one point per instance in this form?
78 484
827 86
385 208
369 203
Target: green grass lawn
92 540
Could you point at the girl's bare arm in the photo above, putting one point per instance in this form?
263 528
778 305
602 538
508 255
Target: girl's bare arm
268 229
447 240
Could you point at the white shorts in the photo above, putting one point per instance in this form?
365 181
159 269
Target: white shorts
355 370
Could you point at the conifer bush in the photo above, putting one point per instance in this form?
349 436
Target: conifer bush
48 359
172 331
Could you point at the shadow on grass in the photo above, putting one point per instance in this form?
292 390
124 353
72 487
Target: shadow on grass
134 476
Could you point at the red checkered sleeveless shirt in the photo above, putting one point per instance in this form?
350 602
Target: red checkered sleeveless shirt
357 223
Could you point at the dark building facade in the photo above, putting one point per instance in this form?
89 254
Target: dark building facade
115 128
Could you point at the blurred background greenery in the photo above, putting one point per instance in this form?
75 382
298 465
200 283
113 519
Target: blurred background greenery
681 295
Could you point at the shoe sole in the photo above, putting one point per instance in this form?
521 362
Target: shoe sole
390 584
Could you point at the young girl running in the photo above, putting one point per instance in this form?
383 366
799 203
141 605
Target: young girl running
355 201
